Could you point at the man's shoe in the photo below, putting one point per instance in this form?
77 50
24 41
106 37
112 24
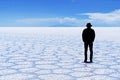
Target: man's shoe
85 61
91 61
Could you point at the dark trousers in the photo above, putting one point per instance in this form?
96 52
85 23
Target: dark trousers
86 45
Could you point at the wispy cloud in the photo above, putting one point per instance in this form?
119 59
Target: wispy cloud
111 18
57 19
65 21
97 19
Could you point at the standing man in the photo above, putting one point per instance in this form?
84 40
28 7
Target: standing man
88 36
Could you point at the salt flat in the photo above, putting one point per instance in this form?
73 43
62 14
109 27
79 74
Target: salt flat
57 54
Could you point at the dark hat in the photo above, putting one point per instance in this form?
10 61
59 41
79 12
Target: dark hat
88 24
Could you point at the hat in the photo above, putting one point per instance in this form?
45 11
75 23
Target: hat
89 24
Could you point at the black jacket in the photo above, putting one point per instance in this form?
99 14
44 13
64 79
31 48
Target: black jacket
88 35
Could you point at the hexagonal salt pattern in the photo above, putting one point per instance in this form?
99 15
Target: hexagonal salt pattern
56 57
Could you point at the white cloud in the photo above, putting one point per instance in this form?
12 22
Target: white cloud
56 19
97 19
105 17
50 21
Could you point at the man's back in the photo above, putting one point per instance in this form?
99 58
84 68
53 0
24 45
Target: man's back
88 35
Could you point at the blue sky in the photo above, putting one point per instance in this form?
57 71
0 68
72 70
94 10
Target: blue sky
37 13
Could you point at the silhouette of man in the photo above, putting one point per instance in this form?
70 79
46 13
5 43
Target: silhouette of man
88 36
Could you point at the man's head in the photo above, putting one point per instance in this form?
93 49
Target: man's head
88 25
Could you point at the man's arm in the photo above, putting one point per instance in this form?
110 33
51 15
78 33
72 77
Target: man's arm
83 34
93 35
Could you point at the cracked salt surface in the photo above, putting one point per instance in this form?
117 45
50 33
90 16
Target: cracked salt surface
57 54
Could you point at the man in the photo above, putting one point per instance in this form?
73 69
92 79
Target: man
88 36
